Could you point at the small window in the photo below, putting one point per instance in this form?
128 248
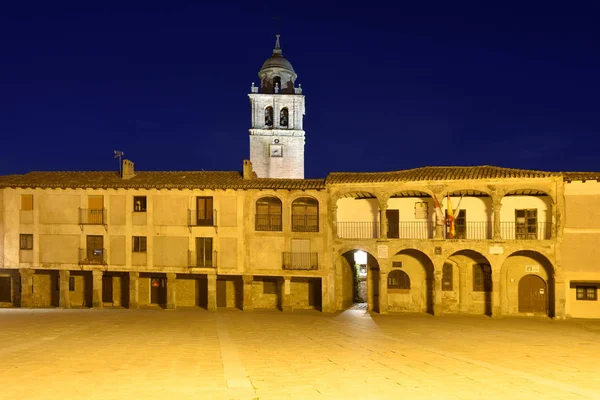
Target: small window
204 211
139 244
482 278
447 280
139 203
398 279
269 116
26 242
284 116
26 202
71 284
587 293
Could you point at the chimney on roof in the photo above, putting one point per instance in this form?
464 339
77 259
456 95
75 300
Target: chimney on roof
127 170
247 171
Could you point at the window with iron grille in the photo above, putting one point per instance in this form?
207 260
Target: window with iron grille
447 281
482 278
398 279
305 215
26 242
139 203
268 214
139 244
204 252
205 212
526 224
587 293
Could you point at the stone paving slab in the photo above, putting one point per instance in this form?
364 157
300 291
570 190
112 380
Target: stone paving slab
193 354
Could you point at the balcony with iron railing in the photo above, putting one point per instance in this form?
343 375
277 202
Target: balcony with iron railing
93 256
358 230
268 222
91 216
300 261
202 219
305 223
470 230
535 231
200 260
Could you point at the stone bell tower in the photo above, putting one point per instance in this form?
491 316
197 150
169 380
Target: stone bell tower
276 134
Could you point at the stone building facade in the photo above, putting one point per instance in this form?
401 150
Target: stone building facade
524 242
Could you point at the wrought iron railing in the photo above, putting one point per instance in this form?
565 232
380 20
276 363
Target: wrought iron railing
471 230
411 230
195 220
268 222
92 216
91 256
305 223
358 230
302 261
537 231
200 260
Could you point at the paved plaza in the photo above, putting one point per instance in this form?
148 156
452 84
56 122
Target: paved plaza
194 354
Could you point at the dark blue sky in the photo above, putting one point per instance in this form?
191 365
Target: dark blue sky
391 87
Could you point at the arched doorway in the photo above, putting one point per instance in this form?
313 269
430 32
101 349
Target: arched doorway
358 281
533 296
410 285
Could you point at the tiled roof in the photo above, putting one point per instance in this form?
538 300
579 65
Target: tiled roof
155 179
436 174
581 176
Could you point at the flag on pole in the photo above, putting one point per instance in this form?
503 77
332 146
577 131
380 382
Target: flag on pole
438 211
118 153
450 221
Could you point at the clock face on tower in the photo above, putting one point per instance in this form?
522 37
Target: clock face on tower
276 150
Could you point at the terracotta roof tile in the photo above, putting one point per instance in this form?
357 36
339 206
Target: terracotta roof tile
436 173
155 179
581 176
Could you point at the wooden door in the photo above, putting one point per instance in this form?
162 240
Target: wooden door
107 289
221 293
393 219
532 294
5 295
158 291
95 249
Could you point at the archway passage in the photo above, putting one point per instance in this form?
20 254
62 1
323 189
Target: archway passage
533 296
467 283
358 278
410 285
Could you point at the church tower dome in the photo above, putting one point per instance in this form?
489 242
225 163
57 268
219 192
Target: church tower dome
276 133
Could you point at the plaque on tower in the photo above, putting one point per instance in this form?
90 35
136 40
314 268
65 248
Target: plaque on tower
276 150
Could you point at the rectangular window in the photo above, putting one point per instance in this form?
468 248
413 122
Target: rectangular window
460 225
139 203
587 293
204 211
26 202
482 278
139 244
71 284
526 224
26 242
447 280
204 252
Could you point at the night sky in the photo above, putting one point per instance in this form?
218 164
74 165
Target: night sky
391 87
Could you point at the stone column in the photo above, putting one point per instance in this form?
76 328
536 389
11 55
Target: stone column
496 206
463 305
26 287
437 298
496 295
286 294
212 292
64 301
171 291
247 292
134 290
383 218
97 289
333 213
383 294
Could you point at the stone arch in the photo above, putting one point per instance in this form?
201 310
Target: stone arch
518 264
410 214
528 212
356 214
531 190
348 279
473 291
420 269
